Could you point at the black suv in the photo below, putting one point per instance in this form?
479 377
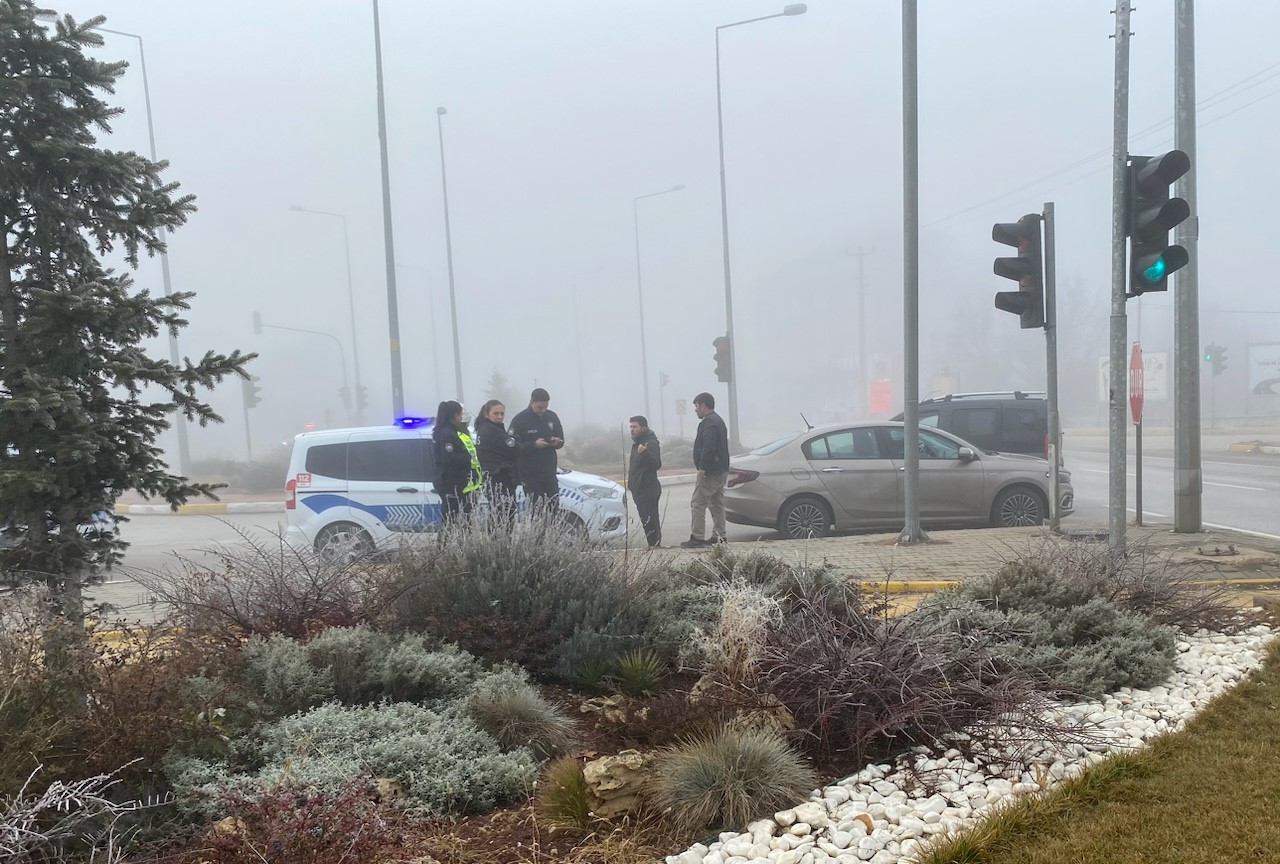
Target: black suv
1012 421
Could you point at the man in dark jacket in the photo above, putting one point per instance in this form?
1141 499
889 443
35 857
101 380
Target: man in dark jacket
711 458
642 478
538 435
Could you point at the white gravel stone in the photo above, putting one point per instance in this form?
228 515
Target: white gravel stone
824 829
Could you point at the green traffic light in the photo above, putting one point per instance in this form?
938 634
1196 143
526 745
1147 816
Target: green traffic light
1208 355
1154 271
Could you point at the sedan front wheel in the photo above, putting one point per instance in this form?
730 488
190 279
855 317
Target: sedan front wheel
1019 507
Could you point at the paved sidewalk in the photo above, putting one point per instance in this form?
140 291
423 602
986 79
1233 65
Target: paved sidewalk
1230 556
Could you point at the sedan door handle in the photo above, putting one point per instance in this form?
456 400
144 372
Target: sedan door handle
832 470
902 467
409 489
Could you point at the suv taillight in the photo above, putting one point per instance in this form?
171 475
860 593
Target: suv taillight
738 476
291 494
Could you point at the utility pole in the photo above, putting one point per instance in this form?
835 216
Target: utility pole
1188 480
393 308
911 530
448 251
1119 317
1051 361
864 379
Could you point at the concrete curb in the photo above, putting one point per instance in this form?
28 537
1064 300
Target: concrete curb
201 509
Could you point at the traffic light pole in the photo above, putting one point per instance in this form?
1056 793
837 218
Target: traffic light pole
911 532
1116 514
1051 363
1188 482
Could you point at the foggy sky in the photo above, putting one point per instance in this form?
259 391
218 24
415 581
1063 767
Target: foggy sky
560 114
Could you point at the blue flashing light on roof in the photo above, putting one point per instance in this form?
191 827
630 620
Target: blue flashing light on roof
413 422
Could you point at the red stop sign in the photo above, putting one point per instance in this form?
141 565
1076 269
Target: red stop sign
1136 383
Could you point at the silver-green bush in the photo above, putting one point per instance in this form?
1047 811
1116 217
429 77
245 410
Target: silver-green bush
280 673
445 762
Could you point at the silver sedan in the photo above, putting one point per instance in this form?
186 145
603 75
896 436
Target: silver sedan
851 476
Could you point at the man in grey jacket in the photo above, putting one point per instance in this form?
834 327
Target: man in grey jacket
642 478
711 458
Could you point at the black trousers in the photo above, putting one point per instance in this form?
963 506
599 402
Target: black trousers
454 505
500 489
542 495
647 509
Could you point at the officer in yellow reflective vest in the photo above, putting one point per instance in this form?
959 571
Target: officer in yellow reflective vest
457 465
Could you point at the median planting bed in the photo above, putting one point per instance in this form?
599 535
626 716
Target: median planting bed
525 697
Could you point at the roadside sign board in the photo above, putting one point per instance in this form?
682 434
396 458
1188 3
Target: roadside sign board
682 407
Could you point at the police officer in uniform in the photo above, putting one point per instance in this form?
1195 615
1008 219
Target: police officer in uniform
498 454
457 465
539 435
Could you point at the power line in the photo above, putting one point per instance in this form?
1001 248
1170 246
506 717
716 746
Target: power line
1207 102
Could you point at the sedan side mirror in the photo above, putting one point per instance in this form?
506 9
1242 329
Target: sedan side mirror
967 454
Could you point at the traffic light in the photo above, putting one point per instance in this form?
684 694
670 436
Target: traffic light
1216 357
251 391
362 398
721 344
1026 269
1151 213
344 393
257 323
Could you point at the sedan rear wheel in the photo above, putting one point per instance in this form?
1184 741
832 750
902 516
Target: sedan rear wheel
804 518
1019 507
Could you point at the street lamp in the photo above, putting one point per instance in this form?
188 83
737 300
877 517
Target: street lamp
644 357
448 251
351 302
184 449
787 11
388 236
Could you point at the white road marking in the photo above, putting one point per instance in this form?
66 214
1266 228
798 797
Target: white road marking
1234 486
1243 531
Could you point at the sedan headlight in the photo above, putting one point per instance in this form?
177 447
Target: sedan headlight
599 491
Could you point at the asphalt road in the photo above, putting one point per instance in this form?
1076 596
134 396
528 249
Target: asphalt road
158 542
1241 491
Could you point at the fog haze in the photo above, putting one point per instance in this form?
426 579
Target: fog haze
561 114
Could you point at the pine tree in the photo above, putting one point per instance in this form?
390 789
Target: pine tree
498 387
81 402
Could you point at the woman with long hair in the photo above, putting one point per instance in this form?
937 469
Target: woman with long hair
455 480
497 450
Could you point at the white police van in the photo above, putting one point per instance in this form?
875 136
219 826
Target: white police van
356 489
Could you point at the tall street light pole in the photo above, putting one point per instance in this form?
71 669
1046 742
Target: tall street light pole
184 448
351 303
448 251
393 309
644 356
787 11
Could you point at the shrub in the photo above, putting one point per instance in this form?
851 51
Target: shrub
639 672
732 648
861 685
355 658
413 672
259 588
537 596
560 795
445 762
281 674
291 823
727 779
81 820
43 662
1054 623
507 707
